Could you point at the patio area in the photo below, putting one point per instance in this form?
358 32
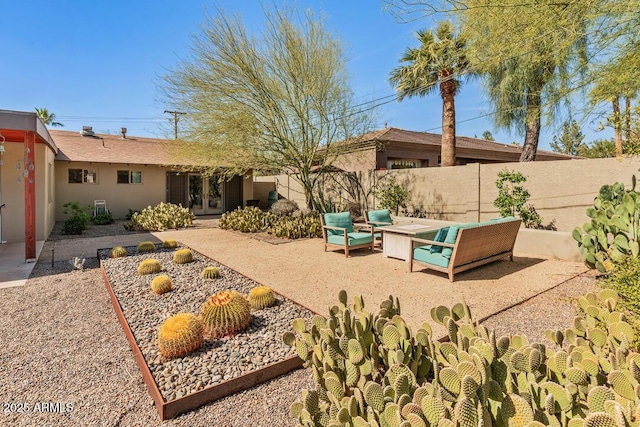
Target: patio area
63 342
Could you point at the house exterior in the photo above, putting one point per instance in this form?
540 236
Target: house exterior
41 170
133 173
393 148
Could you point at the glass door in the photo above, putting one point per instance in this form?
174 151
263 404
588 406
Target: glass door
214 195
196 194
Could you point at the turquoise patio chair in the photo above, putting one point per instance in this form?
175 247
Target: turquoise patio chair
338 231
378 218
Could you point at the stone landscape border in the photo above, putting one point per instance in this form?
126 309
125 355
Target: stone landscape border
167 410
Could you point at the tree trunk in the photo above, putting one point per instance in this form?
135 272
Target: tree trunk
627 120
448 142
532 124
617 127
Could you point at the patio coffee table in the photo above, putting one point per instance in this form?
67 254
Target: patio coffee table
396 242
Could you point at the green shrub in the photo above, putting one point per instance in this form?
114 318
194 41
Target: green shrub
392 196
371 369
248 220
297 226
513 199
253 220
79 219
130 214
284 207
162 217
102 218
625 279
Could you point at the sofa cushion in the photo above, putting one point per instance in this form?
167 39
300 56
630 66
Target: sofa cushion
342 220
355 239
424 254
380 215
440 236
498 220
452 235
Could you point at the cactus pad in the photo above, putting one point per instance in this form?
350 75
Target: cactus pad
161 284
226 312
355 351
149 266
146 247
600 419
597 396
465 413
183 256
179 335
261 297
210 273
374 396
118 252
621 385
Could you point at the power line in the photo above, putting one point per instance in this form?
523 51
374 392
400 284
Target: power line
175 121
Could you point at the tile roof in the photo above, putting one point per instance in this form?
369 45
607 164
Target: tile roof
105 148
433 139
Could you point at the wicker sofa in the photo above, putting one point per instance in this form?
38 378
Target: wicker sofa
461 247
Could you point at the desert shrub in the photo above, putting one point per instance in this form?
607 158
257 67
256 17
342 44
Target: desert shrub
248 220
392 196
130 214
284 207
103 218
162 217
79 219
297 226
513 199
354 209
625 279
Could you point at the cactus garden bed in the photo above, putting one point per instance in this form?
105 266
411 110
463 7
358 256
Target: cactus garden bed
221 366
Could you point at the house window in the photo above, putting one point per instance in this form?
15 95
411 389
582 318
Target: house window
403 163
129 177
82 176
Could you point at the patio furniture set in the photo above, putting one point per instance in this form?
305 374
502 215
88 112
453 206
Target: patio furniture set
450 249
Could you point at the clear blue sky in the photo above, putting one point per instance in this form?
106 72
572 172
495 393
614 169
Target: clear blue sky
97 63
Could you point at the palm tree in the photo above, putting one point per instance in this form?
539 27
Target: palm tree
47 117
436 65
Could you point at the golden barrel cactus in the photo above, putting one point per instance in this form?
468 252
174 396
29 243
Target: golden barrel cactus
149 266
179 335
183 256
146 247
261 297
117 252
210 273
169 244
161 284
224 313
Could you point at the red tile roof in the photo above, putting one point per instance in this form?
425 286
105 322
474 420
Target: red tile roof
104 148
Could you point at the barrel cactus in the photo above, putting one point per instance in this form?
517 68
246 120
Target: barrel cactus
169 244
210 273
146 247
183 256
261 297
179 335
224 313
117 252
149 266
161 284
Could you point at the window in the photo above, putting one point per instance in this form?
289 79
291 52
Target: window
129 177
403 163
82 176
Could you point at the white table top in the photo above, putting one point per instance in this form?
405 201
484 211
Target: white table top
410 229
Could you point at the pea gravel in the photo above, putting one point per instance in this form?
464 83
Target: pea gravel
61 342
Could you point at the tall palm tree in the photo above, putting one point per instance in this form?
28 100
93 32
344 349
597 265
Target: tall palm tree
47 118
437 65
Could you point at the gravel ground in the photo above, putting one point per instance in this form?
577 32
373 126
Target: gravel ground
62 343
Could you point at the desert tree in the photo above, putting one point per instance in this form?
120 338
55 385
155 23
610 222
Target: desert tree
438 65
277 100
570 141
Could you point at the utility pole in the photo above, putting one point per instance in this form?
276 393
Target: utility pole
175 121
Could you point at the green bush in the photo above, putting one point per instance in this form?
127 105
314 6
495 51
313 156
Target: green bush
625 279
79 219
248 220
297 226
130 214
102 218
253 220
513 199
371 369
392 196
284 207
162 217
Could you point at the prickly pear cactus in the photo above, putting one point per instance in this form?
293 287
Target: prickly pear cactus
183 256
161 284
614 230
149 266
118 252
179 335
224 313
261 297
146 247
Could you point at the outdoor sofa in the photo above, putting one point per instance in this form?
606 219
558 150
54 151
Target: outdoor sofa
461 247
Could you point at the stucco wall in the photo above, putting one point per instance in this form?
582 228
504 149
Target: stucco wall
561 190
120 197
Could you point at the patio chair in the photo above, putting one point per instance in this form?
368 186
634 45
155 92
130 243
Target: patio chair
100 207
338 231
378 218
